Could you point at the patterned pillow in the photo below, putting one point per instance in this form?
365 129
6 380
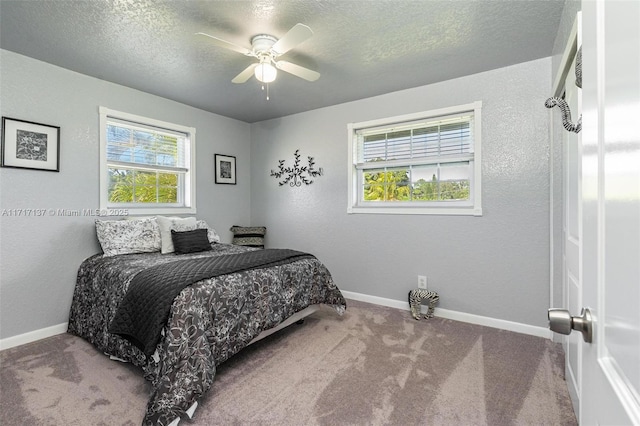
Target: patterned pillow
128 236
167 224
250 236
211 233
190 241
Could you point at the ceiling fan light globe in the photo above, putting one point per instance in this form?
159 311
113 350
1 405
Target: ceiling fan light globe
266 73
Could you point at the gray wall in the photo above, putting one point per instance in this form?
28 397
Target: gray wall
496 265
39 256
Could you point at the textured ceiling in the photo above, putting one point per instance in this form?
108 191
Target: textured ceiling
360 48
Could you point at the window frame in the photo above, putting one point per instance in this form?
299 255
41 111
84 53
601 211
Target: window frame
188 187
472 207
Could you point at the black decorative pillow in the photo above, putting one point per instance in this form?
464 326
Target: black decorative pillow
250 236
190 241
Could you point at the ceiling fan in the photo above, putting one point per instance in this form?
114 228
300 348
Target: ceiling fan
267 49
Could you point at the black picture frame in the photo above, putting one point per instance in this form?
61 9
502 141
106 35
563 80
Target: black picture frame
30 145
225 169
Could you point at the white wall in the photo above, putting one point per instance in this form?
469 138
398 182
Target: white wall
496 265
39 256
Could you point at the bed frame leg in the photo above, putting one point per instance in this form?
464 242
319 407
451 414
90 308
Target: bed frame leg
300 321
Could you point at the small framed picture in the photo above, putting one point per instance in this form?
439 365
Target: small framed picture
225 169
29 145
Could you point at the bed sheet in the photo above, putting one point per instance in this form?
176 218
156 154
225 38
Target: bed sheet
209 321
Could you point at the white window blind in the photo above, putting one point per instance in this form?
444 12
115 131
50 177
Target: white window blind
416 141
145 147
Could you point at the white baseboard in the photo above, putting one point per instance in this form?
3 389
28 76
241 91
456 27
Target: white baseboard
32 336
455 315
43 333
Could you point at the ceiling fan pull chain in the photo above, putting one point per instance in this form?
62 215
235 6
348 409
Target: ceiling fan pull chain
267 84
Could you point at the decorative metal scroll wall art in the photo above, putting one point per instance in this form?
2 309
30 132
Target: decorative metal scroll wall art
295 176
562 104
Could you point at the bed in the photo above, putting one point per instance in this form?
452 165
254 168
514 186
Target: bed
208 321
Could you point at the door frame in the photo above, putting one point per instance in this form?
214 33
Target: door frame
557 207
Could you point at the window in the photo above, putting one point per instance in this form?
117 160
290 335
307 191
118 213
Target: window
424 163
147 166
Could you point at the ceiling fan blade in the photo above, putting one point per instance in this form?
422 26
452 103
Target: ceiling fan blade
245 75
298 71
291 39
227 45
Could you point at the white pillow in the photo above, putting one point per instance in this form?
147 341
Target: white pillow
167 224
128 236
138 217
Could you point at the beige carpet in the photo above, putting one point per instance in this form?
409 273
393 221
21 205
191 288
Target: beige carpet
373 366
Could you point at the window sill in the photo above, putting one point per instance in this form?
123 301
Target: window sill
151 211
443 211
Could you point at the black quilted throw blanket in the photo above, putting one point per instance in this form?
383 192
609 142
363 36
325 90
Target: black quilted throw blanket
146 305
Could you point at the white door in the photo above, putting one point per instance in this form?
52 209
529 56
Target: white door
610 206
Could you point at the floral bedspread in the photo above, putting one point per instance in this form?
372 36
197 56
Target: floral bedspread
210 320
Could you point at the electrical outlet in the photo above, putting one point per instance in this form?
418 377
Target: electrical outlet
422 282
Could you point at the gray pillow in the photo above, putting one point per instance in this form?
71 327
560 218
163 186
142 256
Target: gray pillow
250 236
211 233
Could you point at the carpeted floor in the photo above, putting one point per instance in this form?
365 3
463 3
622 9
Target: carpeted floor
373 366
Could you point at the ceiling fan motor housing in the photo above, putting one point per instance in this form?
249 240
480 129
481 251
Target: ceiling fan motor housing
262 43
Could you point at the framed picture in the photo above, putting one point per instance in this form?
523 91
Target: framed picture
225 169
28 145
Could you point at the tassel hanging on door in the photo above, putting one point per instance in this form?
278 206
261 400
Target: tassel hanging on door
562 104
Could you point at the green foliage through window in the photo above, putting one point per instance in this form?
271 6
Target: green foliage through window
133 186
395 185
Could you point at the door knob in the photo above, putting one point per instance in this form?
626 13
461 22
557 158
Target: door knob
561 321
